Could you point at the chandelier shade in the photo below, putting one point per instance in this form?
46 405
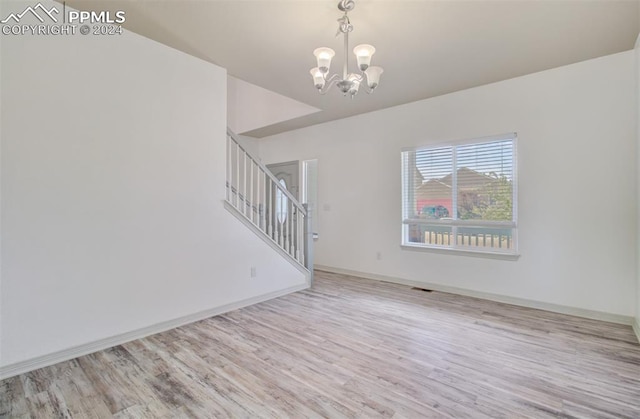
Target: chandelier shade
318 78
373 76
324 56
364 52
349 83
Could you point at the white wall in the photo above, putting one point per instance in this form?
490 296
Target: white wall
251 107
250 144
637 68
577 185
113 171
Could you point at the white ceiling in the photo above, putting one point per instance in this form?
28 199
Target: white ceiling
427 48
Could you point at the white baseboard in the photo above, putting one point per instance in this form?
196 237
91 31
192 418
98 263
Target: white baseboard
77 351
636 328
556 308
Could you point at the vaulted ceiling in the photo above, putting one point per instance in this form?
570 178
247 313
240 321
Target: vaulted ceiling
427 48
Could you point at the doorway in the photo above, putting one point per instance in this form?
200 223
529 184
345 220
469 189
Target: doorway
288 174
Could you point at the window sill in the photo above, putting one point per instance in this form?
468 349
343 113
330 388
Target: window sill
462 252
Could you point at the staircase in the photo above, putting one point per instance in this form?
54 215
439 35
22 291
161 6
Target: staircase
258 199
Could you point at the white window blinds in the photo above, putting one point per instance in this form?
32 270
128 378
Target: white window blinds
461 195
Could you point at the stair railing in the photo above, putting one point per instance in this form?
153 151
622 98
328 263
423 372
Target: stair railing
260 197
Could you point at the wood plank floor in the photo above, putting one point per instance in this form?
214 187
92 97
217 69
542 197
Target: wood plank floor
351 347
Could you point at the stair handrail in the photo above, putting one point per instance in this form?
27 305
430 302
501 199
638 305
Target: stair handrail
268 173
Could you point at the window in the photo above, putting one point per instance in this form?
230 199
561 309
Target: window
281 203
461 196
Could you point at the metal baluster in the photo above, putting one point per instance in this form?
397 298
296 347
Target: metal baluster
282 224
251 198
237 176
285 223
296 224
274 216
293 230
245 183
288 223
291 236
269 210
273 211
301 221
303 237
261 200
228 169
255 197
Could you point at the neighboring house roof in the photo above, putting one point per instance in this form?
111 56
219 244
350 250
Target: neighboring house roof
468 180
433 189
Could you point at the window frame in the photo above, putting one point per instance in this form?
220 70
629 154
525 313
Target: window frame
455 248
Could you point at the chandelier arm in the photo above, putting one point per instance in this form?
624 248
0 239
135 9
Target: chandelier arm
328 84
368 89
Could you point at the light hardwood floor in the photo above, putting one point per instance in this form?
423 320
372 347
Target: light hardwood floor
351 347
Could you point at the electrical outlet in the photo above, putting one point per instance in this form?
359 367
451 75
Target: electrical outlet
253 272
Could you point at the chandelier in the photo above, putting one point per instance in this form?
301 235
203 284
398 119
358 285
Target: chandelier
350 82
